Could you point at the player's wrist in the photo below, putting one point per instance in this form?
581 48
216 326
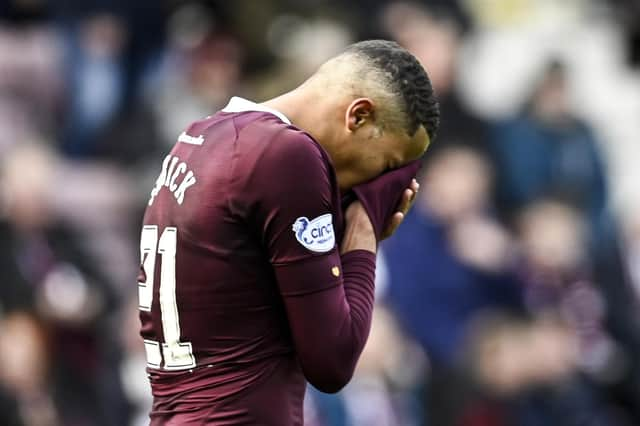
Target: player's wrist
359 232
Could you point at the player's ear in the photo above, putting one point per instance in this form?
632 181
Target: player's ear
358 113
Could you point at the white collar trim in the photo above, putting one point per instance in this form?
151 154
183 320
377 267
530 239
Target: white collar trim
238 104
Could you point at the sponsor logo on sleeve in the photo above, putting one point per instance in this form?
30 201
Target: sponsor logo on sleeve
316 234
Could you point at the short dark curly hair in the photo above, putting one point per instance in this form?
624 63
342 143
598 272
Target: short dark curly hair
407 78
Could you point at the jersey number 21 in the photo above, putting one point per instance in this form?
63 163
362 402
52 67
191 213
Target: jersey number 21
177 355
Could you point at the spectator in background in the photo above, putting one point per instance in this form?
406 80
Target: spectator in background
31 78
545 151
110 47
509 358
448 266
554 366
301 45
458 288
25 373
200 73
436 40
47 273
96 81
559 286
558 281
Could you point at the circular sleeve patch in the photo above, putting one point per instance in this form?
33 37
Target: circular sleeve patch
317 234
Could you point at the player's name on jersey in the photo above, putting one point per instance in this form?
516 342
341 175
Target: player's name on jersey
175 176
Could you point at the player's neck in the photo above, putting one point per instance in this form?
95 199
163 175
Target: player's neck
304 111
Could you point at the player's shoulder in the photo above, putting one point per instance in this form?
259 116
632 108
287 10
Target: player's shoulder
275 135
292 154
280 148
293 144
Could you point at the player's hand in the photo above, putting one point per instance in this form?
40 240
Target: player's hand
388 197
408 198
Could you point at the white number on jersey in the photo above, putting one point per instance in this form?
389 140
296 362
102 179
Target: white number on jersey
177 355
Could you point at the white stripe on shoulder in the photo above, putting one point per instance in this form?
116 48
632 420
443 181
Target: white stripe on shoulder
238 104
184 137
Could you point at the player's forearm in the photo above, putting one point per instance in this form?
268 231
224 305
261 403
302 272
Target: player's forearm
343 349
359 269
330 327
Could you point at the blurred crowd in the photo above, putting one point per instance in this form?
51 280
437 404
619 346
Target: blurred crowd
510 296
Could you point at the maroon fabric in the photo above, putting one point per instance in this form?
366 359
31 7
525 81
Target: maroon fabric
276 401
250 297
380 197
330 327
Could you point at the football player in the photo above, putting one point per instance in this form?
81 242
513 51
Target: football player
256 276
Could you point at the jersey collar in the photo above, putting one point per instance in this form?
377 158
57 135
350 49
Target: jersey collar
238 104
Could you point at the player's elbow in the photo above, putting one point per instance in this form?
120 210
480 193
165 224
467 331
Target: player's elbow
331 381
330 370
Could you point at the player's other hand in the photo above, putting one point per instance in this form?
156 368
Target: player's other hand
388 198
406 202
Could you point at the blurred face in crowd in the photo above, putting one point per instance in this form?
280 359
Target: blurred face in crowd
456 183
550 103
500 345
552 236
104 35
25 183
23 354
215 68
434 42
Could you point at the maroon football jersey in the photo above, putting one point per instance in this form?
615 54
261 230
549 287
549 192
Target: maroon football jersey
242 197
